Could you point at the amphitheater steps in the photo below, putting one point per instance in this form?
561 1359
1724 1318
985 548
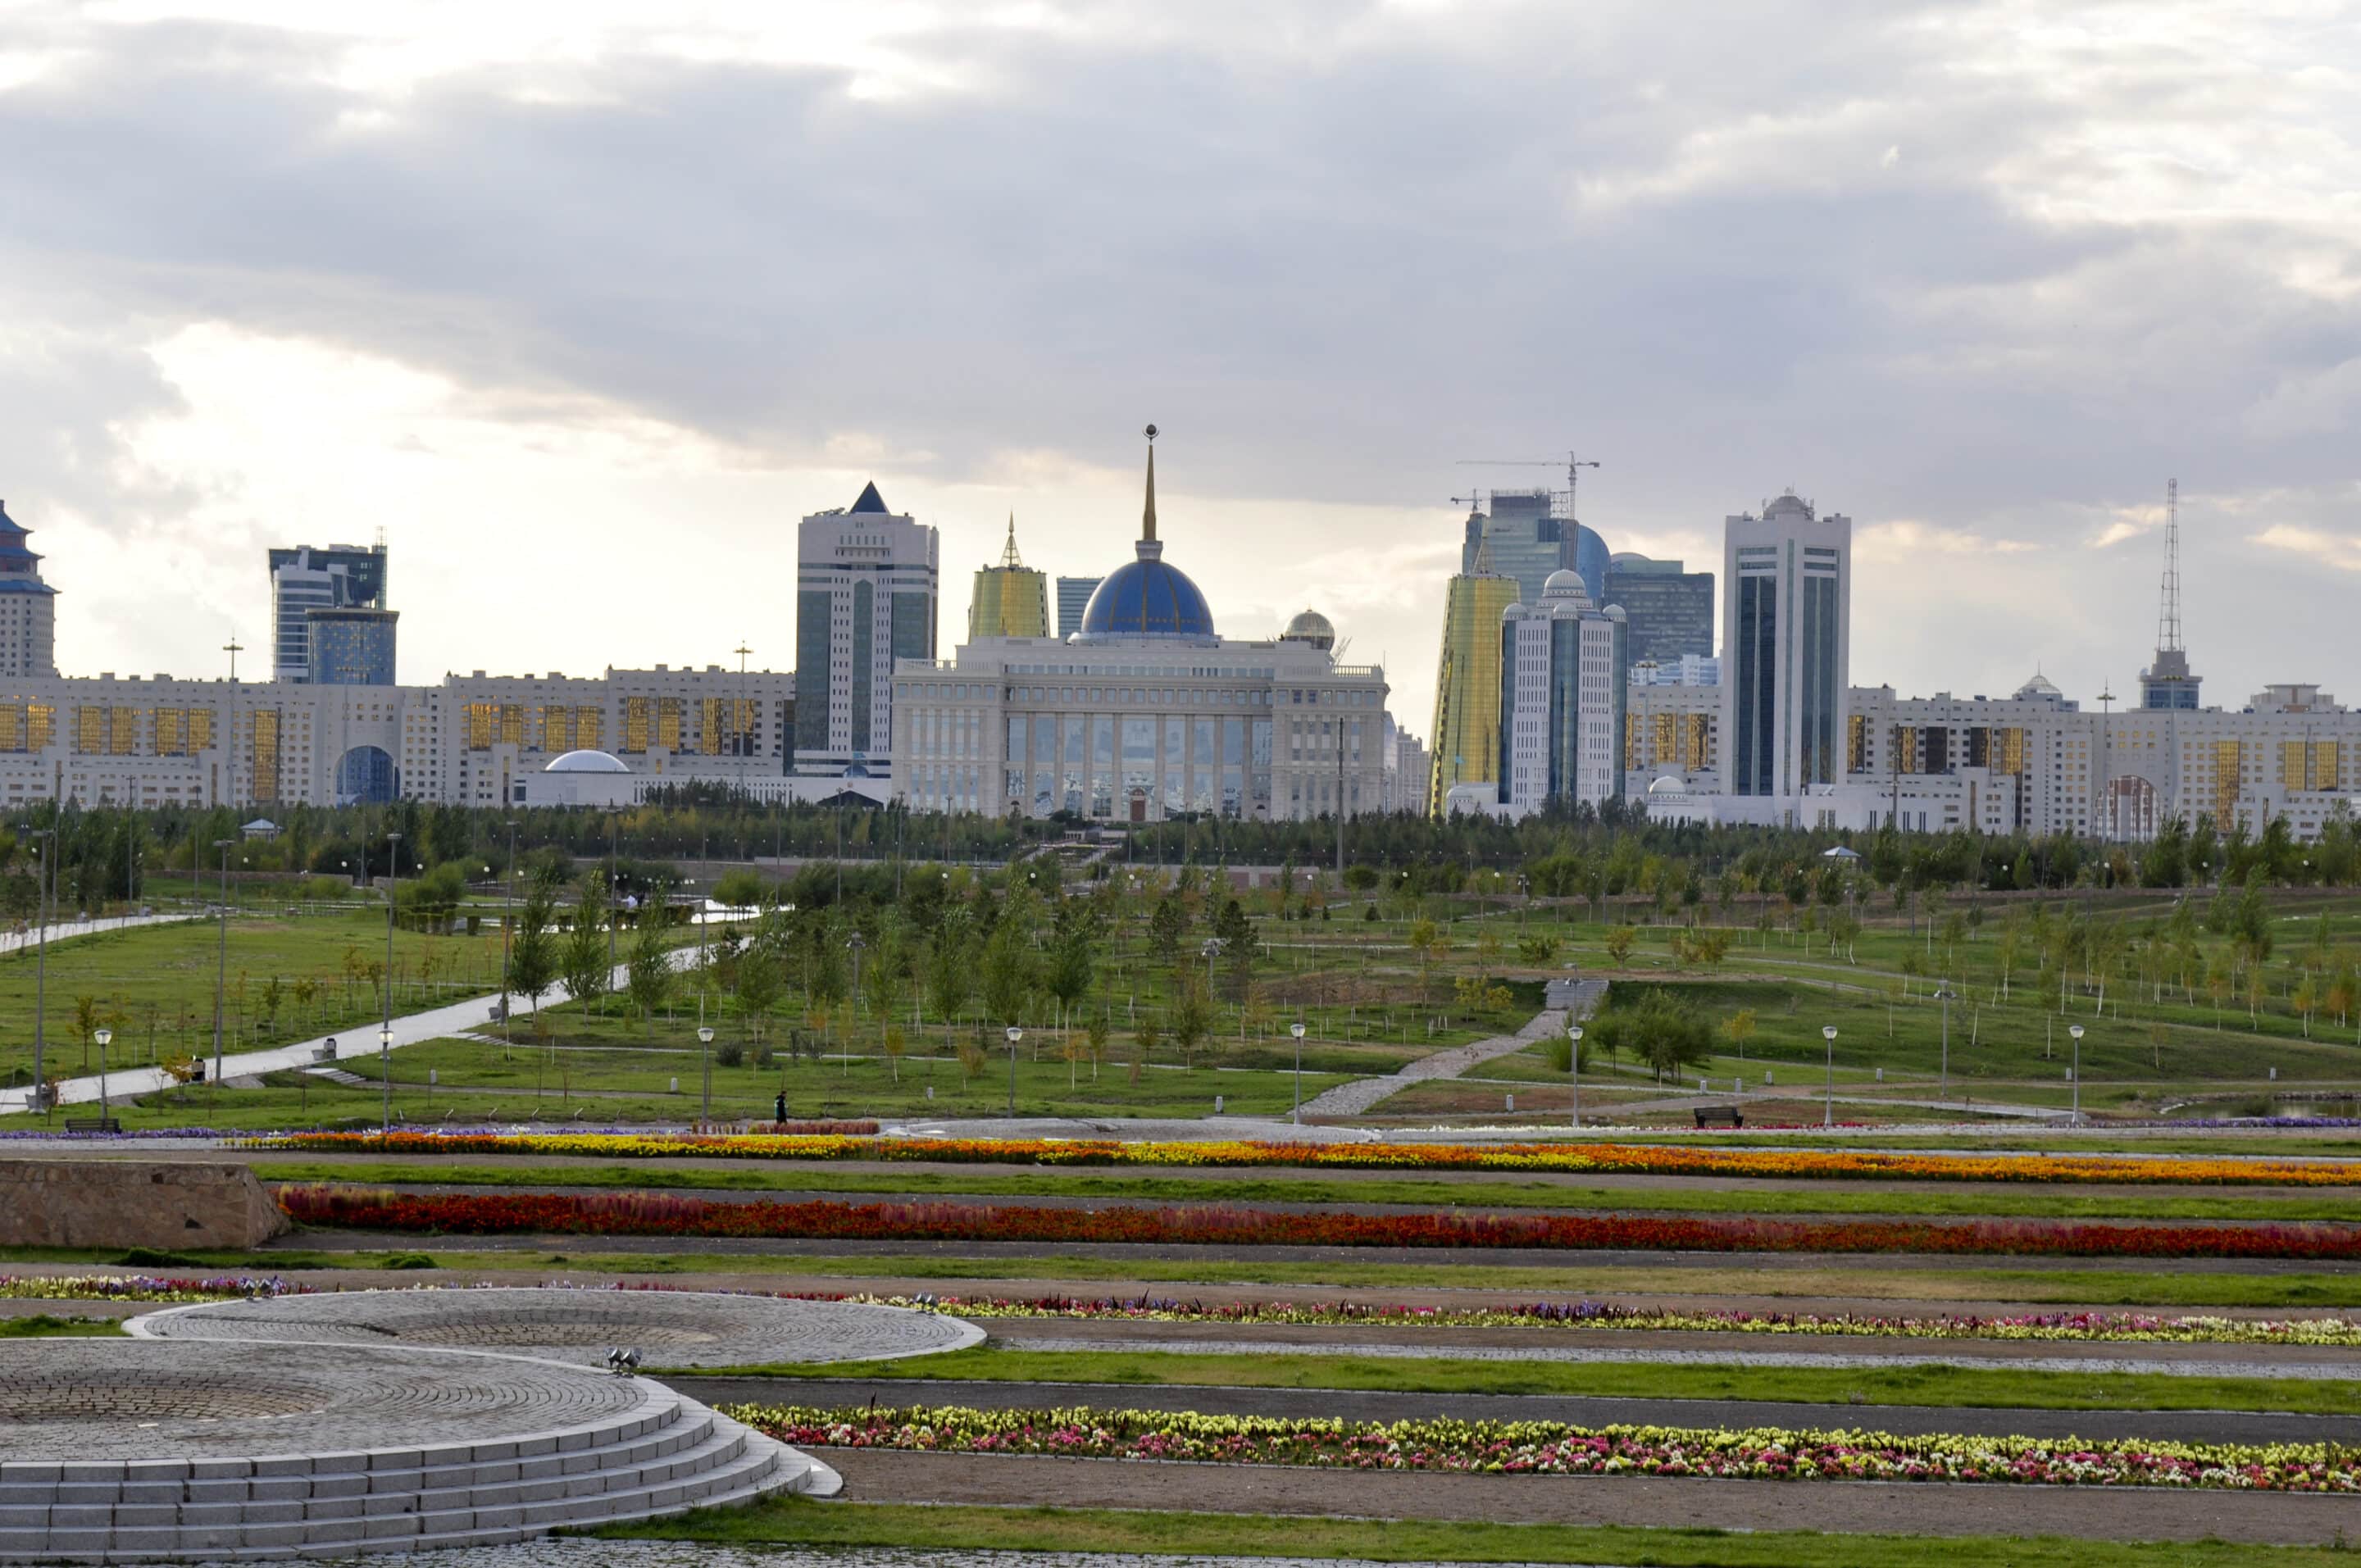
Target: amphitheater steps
668 1455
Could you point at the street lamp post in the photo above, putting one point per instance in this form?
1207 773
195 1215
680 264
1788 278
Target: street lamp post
2076 1031
1296 1030
1828 1108
41 1090
1014 1035
221 961
1573 1067
105 1037
385 1029
704 1039
508 918
1943 994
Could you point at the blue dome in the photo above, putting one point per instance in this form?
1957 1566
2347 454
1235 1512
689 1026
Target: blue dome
1147 598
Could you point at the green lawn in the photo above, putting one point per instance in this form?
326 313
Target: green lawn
1998 1388
2186 1287
155 985
796 1521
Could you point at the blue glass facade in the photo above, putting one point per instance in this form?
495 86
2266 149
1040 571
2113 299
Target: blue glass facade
350 647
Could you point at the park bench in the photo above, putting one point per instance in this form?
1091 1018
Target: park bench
93 1125
1718 1115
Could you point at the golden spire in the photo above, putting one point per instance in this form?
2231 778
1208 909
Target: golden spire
1009 559
1147 518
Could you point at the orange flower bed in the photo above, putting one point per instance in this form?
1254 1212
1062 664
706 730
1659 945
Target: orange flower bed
1577 1158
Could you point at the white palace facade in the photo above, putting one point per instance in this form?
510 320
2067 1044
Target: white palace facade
1143 714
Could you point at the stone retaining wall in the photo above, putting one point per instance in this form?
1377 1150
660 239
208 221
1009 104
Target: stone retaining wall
125 1204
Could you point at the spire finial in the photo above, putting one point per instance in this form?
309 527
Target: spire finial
1148 517
1009 559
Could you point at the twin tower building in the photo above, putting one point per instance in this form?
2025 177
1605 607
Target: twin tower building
1545 634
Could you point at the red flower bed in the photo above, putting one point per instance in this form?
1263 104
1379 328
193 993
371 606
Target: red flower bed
1225 1225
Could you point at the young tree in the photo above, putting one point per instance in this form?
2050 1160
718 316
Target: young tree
533 946
584 958
1620 942
649 976
1738 1028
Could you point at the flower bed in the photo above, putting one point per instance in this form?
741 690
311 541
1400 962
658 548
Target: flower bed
646 1215
1554 1448
1603 1159
2127 1327
139 1288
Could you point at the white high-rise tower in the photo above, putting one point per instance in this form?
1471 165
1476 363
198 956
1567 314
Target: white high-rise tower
1786 648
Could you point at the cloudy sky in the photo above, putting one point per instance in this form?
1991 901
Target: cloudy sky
583 304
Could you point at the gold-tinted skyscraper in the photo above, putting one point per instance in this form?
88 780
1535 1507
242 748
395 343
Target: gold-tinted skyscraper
1467 682
1010 599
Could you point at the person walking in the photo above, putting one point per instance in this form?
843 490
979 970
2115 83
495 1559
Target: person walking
779 1109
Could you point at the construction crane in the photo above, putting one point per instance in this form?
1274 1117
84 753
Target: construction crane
1573 466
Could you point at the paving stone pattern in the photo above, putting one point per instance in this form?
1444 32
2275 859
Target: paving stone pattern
127 1449
669 1328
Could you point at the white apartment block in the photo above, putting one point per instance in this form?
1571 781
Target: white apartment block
471 742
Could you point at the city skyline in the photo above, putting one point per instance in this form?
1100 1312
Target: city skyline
451 280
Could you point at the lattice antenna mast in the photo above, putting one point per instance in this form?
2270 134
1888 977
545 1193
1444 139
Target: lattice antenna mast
2167 616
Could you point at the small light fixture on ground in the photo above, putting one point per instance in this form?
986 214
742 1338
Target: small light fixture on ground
704 1039
1296 1030
2076 1070
1014 1035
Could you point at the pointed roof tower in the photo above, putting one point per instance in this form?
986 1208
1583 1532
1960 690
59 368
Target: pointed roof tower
1149 516
1009 560
871 501
2168 683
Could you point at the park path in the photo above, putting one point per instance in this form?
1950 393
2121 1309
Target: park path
409 1029
1570 998
66 930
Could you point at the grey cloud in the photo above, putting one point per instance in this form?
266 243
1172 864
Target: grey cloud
1331 249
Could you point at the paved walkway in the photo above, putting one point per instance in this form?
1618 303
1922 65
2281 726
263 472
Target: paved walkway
66 930
1358 1098
409 1029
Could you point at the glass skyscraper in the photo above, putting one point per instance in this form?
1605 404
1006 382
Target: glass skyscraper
1529 541
1669 612
1785 648
303 579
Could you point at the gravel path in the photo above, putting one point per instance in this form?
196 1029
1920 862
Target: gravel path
1358 1098
2130 1513
2094 1426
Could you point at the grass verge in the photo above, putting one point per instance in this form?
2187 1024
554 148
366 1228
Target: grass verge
799 1523
1907 1383
44 1325
2192 1289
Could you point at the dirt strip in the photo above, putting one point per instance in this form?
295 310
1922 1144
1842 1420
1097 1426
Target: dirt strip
1315 1404
2093 1513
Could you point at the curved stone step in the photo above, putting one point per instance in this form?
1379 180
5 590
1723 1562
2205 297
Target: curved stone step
648 1452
